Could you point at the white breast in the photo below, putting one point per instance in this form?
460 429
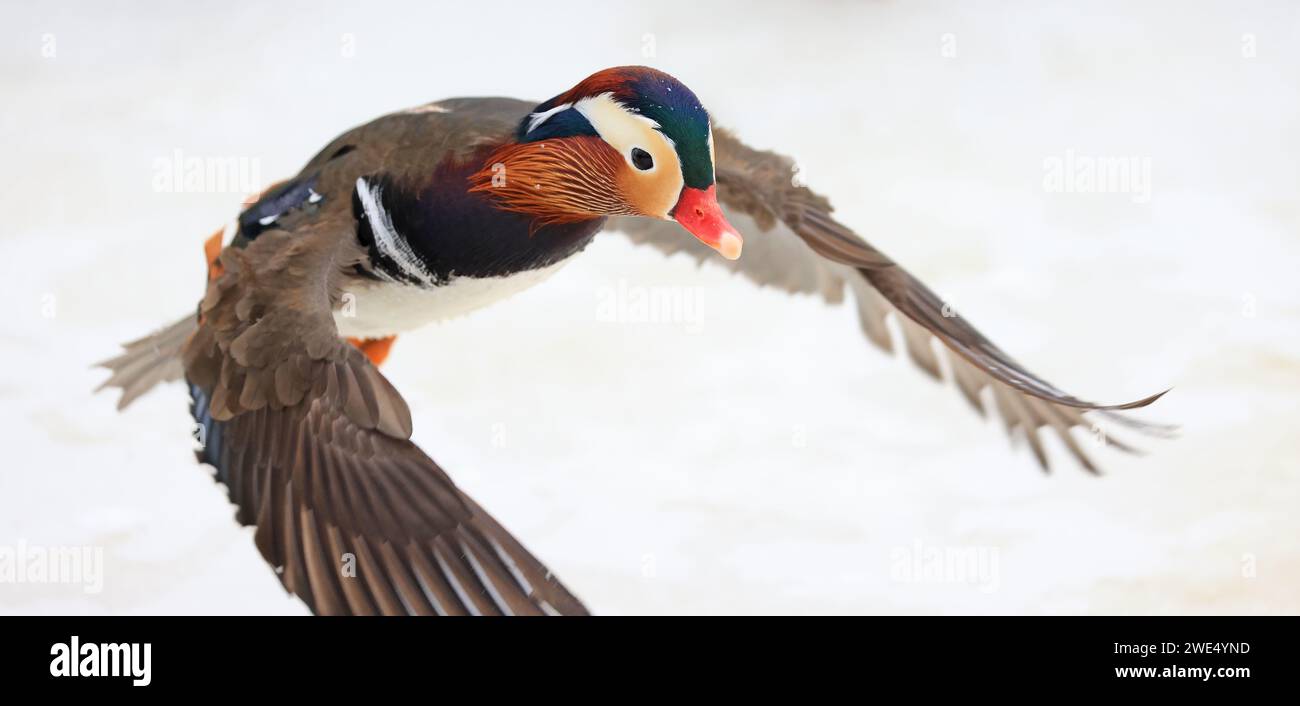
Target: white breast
388 308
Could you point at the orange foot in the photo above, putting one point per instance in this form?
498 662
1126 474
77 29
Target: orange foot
376 349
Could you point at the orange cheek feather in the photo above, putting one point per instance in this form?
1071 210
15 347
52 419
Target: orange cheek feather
556 181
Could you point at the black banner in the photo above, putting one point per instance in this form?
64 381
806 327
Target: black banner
211 655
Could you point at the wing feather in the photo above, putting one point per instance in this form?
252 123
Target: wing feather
313 445
794 243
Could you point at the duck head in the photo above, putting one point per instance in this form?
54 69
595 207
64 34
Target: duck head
626 141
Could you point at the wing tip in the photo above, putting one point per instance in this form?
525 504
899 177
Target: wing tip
1138 404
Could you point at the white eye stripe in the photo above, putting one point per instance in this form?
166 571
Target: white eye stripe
603 106
623 128
610 119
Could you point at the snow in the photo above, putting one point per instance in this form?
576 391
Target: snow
749 453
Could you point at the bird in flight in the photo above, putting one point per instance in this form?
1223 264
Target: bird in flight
435 211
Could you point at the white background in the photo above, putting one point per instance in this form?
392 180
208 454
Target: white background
760 459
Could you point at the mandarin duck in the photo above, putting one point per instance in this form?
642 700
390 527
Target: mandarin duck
439 210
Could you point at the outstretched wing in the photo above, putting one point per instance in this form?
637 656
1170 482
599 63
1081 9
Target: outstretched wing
792 242
313 445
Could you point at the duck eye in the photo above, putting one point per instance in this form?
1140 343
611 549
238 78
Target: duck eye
642 159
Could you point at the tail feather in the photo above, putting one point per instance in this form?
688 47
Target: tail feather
147 361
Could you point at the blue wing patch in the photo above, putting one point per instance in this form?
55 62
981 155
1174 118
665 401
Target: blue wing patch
274 204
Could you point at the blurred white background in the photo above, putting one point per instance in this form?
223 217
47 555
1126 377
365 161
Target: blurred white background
757 456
